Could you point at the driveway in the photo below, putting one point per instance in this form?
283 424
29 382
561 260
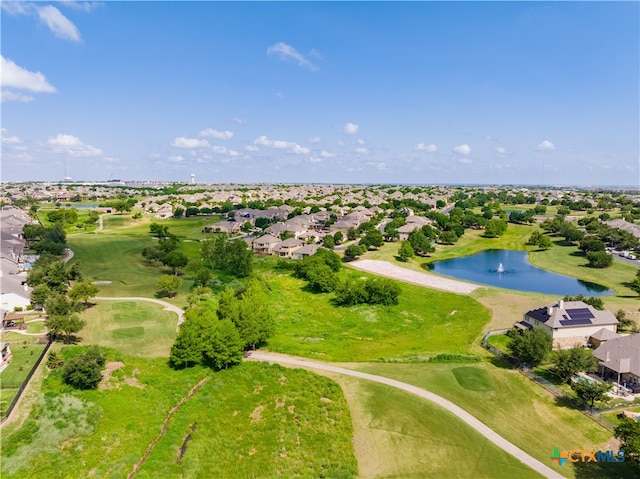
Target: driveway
492 436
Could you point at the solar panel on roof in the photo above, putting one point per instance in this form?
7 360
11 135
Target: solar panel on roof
580 313
575 322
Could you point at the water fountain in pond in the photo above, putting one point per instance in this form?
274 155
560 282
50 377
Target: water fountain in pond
500 268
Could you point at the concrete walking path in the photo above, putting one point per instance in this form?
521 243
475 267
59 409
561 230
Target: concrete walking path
167 306
384 268
491 435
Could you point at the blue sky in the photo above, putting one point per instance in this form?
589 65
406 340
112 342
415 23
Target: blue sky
361 92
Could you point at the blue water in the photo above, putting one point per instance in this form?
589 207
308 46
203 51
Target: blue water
518 274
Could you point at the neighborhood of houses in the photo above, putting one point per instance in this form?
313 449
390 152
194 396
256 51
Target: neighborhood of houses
303 232
339 209
575 323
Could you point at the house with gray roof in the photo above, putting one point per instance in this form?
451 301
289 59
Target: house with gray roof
306 250
265 244
287 247
620 360
569 323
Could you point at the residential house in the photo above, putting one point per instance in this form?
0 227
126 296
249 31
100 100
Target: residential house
229 227
569 323
620 359
306 250
287 247
265 244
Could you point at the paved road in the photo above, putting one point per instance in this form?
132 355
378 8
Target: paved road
492 436
167 306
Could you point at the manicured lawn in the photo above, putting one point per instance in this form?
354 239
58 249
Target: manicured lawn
500 341
397 434
25 353
254 420
184 228
36 327
513 406
78 227
135 328
118 258
569 261
425 323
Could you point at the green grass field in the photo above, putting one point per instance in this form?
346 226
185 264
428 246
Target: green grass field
78 227
118 258
425 323
135 328
569 261
397 434
513 406
254 420
25 352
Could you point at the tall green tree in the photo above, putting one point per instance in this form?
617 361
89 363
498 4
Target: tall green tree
188 348
628 431
531 346
169 284
175 260
83 291
569 362
591 392
67 325
406 251
223 347
420 243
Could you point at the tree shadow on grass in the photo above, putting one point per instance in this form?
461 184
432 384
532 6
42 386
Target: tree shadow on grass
605 470
501 363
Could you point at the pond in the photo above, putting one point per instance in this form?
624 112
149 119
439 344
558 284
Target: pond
511 270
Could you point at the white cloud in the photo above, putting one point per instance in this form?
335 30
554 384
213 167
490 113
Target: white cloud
17 8
239 121
222 135
462 149
315 139
361 142
8 95
291 147
60 25
251 148
351 128
501 150
546 145
465 161
9 140
84 6
176 158
287 52
73 146
430 148
18 77
314 159
362 151
182 142
379 166
326 154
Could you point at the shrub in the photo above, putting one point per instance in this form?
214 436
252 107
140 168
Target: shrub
85 370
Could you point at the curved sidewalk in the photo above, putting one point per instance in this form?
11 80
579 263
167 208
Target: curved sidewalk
384 268
491 435
167 306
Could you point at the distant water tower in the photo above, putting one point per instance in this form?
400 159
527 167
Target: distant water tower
193 178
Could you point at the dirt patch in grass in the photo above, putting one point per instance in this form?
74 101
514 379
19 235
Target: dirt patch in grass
105 383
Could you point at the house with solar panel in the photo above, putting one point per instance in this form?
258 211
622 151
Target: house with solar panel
571 323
